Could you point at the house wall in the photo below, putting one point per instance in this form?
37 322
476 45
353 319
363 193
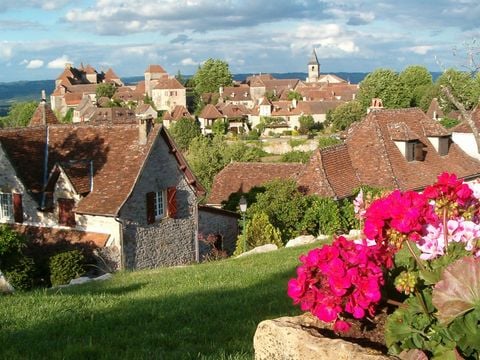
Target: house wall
467 143
168 241
164 101
211 222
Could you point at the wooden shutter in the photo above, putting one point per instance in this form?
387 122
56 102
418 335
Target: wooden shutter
150 207
66 215
17 208
418 151
172 202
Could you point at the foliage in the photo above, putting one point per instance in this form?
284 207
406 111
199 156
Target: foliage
258 231
184 131
432 91
253 134
271 95
19 115
296 142
66 266
68 118
463 86
416 79
386 85
294 95
346 114
220 127
17 268
321 217
283 204
105 90
449 123
208 156
296 156
325 141
306 124
213 241
212 74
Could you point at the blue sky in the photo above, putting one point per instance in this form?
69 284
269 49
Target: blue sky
37 37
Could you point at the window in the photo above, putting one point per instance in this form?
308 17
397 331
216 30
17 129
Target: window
6 206
414 151
66 215
159 205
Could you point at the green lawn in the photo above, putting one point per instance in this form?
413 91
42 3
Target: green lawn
205 311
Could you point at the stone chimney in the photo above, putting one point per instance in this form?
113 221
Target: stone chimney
144 127
376 105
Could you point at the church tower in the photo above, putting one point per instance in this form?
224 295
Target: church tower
313 68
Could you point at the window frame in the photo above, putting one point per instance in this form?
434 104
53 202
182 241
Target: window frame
8 208
157 201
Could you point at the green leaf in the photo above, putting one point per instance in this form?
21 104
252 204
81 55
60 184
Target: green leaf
430 277
459 290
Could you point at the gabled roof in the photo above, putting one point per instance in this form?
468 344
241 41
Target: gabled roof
155 69
241 177
180 112
210 112
434 110
117 157
233 111
463 127
37 117
167 84
237 93
142 108
110 75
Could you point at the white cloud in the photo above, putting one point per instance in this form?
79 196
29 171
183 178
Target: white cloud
59 63
34 64
188 62
421 49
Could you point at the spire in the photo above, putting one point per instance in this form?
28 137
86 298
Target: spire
313 58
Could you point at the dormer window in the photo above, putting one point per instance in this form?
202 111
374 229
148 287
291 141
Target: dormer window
414 151
441 144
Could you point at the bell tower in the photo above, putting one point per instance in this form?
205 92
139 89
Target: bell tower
313 68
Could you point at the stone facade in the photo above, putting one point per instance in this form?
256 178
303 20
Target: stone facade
168 241
215 221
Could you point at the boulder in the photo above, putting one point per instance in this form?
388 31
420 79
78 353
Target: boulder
295 338
5 286
260 249
301 240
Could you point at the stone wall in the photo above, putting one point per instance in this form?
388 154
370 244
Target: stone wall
217 221
168 241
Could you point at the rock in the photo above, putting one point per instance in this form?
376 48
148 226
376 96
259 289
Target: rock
80 280
322 237
260 249
294 338
301 240
103 277
5 286
354 234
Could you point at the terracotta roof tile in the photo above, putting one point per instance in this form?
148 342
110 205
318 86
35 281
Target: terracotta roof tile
37 117
168 83
241 177
401 132
155 69
210 112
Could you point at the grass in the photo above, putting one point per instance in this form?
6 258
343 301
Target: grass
205 311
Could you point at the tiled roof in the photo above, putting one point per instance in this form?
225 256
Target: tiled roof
180 112
168 83
115 115
37 117
117 159
435 109
318 107
141 108
48 235
110 75
463 127
401 132
241 177
233 111
237 93
155 69
379 162
73 99
210 112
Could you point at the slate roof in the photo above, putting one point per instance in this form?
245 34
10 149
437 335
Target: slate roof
114 149
241 177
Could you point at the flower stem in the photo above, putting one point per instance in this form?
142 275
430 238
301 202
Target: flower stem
397 303
422 302
445 229
420 265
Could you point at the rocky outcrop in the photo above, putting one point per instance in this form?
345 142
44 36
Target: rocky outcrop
295 338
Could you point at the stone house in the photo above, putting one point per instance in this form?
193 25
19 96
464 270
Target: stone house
122 187
178 113
164 90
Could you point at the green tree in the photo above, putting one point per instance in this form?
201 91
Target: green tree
184 131
105 90
417 80
321 217
19 115
294 95
432 91
219 127
346 114
283 204
259 231
306 124
211 75
68 118
386 85
463 87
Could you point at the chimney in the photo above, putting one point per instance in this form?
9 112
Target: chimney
43 103
144 127
376 104
220 90
294 103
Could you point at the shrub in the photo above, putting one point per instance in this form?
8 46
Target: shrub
20 274
219 127
258 232
306 123
66 266
296 142
321 217
253 134
325 141
449 123
296 156
287 133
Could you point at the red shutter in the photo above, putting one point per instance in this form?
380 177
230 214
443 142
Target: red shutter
17 208
172 202
66 215
150 207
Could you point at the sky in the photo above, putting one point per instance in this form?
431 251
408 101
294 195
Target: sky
37 37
